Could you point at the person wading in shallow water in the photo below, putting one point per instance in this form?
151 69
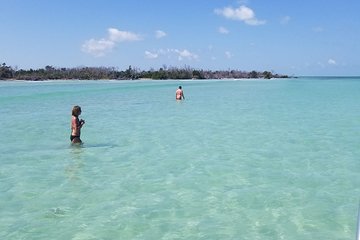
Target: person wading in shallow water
76 125
179 94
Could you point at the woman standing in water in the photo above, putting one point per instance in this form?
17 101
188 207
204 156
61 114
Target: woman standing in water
76 125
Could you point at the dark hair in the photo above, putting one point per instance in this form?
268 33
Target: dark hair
76 110
179 87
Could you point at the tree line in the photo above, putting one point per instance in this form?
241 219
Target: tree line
90 73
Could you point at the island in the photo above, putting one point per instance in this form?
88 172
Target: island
100 73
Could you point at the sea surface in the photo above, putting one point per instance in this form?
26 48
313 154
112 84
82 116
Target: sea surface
237 159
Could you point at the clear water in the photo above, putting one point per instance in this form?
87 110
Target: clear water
254 159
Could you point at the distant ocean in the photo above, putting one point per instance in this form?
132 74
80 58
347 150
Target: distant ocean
237 159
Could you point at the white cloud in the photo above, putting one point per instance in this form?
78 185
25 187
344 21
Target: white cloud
321 64
179 54
318 29
241 13
185 54
331 62
97 48
223 30
100 47
163 51
116 35
228 54
285 20
160 34
151 55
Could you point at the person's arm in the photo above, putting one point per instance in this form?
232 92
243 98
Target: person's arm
82 122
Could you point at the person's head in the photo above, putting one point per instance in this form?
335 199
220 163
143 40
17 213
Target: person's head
76 111
180 87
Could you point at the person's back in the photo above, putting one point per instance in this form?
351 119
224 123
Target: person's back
179 94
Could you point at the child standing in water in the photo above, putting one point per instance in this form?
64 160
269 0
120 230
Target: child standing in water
76 125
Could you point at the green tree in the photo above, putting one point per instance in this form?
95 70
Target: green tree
267 75
253 74
6 72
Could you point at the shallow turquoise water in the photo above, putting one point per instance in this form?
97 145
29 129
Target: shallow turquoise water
254 159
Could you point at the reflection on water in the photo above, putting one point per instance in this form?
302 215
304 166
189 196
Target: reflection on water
78 154
99 145
76 162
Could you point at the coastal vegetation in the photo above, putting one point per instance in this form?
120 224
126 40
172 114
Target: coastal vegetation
88 73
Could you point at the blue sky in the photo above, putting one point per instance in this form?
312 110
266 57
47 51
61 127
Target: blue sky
307 37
